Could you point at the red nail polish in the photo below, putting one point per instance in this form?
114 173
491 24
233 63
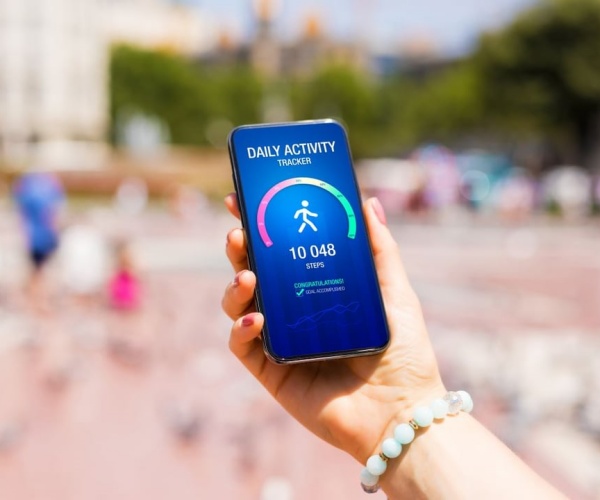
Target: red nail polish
236 279
248 320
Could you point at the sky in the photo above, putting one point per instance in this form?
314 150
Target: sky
384 24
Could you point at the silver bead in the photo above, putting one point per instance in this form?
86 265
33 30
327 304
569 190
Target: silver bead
370 489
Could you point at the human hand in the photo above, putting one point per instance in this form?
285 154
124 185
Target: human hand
351 403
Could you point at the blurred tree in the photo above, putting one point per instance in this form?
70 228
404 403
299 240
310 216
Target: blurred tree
544 71
163 86
344 93
442 107
237 94
186 97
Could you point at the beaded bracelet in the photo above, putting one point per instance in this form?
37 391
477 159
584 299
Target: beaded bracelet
451 404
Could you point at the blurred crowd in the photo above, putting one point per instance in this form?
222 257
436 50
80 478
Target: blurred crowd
435 179
131 283
76 283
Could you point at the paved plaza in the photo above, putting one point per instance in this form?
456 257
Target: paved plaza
513 311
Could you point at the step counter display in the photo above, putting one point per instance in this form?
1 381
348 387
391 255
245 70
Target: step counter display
307 241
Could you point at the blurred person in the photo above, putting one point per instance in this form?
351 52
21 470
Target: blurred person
186 203
84 267
131 197
514 197
416 201
39 197
355 403
125 299
569 190
84 262
124 285
441 188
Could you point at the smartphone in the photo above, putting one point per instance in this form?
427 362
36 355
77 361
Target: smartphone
307 241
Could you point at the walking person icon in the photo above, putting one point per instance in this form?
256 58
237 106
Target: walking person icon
305 212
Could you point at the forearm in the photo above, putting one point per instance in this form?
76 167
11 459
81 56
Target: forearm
460 459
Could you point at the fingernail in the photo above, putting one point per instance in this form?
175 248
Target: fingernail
379 211
248 320
236 279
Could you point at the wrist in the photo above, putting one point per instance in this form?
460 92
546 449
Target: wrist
400 411
397 443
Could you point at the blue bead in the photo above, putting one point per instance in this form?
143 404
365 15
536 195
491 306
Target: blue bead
404 433
439 408
376 465
423 416
467 401
391 448
368 479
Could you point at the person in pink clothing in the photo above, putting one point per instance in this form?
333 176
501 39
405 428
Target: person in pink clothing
124 286
126 339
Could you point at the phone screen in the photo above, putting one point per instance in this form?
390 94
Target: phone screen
307 241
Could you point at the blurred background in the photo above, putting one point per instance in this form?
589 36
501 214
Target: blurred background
476 124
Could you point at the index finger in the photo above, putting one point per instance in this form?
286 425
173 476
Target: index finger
236 250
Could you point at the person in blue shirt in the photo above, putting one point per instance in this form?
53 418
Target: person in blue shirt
39 197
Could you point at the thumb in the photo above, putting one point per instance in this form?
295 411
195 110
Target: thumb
390 270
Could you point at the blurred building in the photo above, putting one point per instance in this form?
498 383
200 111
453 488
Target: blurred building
417 57
315 49
265 50
268 54
53 81
165 26
54 108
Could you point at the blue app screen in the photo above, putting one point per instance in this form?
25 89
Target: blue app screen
307 240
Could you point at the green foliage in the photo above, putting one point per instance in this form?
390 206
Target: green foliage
538 77
544 71
159 85
381 116
340 92
440 108
185 97
237 94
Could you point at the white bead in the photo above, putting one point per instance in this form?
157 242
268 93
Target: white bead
367 478
454 402
376 465
423 416
467 401
391 448
404 433
439 407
